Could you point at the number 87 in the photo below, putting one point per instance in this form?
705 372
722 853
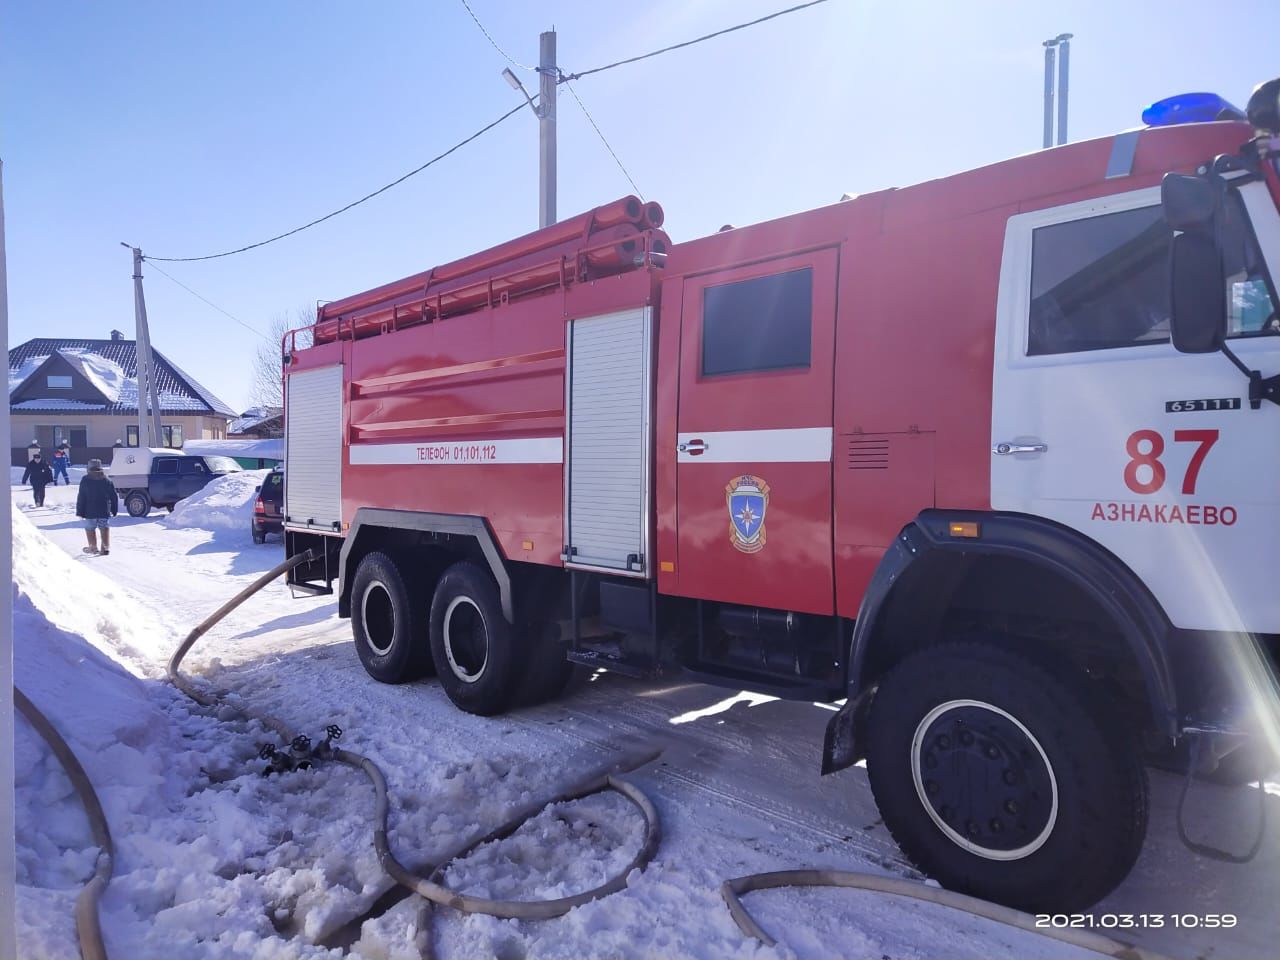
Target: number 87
1150 458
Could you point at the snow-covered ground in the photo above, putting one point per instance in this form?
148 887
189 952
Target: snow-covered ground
216 861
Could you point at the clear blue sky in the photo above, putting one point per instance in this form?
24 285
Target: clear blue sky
189 128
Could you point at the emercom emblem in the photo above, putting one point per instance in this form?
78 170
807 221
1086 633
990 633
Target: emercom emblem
747 498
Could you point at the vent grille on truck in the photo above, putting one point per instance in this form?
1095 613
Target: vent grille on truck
863 454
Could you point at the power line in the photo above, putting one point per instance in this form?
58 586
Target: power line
355 203
583 107
210 303
565 78
494 43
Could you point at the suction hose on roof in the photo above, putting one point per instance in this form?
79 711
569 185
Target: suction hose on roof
430 887
88 926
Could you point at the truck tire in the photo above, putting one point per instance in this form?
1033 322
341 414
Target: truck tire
388 622
547 671
1003 781
473 646
137 503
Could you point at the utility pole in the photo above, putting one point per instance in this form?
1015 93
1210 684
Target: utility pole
545 111
550 76
148 392
8 866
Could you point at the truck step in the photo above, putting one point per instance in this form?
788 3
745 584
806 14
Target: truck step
640 669
308 590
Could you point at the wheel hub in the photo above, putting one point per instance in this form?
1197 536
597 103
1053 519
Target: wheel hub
984 779
466 639
379 618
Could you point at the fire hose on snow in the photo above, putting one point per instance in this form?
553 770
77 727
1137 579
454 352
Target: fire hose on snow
88 925
431 887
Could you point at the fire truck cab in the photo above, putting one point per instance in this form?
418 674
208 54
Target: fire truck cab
986 459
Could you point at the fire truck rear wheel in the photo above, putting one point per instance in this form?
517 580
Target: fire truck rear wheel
472 643
388 622
1002 781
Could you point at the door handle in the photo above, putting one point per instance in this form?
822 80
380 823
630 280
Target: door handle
1004 449
693 447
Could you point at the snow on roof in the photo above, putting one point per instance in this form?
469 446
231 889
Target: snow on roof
272 449
111 366
18 374
106 375
58 403
253 417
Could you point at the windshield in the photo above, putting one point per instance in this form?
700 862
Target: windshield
222 464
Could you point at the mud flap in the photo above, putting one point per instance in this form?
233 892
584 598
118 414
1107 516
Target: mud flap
845 742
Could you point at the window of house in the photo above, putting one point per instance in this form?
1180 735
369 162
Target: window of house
131 436
1103 282
172 436
58 383
758 324
71 436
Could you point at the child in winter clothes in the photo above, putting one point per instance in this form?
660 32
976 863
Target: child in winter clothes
96 502
39 476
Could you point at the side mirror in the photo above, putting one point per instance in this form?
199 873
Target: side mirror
1198 299
258 488
1189 203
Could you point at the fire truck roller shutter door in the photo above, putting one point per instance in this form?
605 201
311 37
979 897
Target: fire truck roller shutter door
313 449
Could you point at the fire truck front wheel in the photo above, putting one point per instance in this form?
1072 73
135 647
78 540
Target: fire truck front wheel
388 622
1003 780
472 643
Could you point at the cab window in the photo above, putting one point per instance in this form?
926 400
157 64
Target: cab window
1103 282
167 467
1100 282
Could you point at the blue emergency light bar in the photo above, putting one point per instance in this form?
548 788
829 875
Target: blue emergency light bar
1190 108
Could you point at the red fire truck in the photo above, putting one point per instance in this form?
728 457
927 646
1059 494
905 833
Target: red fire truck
991 459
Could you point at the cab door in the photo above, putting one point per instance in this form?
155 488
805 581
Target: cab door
192 476
1100 424
754 428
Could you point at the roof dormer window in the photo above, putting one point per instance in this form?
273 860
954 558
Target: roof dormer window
59 383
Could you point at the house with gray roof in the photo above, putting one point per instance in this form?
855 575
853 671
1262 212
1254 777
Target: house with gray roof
84 393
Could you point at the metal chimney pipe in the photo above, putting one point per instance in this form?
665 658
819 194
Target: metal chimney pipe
1064 66
1049 59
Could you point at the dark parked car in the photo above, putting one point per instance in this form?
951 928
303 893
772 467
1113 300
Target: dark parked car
169 479
268 508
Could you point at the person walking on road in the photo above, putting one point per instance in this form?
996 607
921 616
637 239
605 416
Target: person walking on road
96 503
60 461
39 476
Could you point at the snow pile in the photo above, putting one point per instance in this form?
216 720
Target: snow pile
106 375
225 503
82 602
